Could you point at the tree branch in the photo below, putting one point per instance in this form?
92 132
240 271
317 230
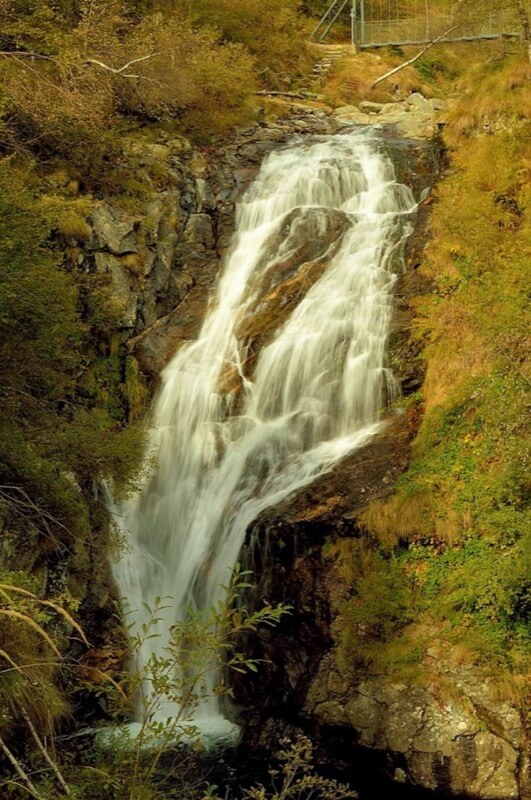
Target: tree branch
122 70
51 763
294 95
17 766
415 58
25 54
458 6
23 502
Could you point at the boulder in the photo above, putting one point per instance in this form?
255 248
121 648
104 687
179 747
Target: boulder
392 114
368 107
114 230
345 110
355 118
413 127
417 100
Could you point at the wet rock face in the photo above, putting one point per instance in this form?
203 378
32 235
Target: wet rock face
304 246
286 551
161 263
431 743
157 259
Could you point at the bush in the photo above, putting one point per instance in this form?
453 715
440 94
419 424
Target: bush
198 69
271 32
40 331
383 603
207 85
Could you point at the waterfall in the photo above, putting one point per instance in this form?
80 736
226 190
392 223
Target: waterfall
313 393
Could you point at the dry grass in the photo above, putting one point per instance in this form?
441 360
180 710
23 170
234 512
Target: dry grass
30 657
399 519
506 687
351 81
456 360
485 103
423 516
72 226
460 506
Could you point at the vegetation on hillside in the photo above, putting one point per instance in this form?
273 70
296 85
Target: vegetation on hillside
446 561
64 426
77 81
72 74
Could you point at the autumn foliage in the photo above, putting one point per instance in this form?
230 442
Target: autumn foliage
69 71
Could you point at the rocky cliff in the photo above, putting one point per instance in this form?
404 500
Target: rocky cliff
441 730
162 259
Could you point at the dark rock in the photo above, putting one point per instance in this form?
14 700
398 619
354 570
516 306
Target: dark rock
199 231
123 288
114 231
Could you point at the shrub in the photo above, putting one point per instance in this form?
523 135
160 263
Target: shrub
68 98
271 32
189 669
40 331
203 82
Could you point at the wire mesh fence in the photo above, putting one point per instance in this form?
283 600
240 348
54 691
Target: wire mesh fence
379 23
387 22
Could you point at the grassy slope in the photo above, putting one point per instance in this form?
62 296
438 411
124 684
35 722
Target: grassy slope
446 562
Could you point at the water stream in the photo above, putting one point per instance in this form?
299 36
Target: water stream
314 392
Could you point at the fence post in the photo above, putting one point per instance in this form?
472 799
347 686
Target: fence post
362 20
354 24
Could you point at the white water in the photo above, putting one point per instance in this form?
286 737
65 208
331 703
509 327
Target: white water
315 394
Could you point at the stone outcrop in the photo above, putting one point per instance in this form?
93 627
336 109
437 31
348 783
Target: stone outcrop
414 118
161 261
466 746
447 731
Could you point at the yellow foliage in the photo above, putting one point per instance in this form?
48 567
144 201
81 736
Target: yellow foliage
132 262
208 84
460 507
134 390
399 518
72 226
107 64
68 216
470 357
272 34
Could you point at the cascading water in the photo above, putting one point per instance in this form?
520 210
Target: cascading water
314 394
